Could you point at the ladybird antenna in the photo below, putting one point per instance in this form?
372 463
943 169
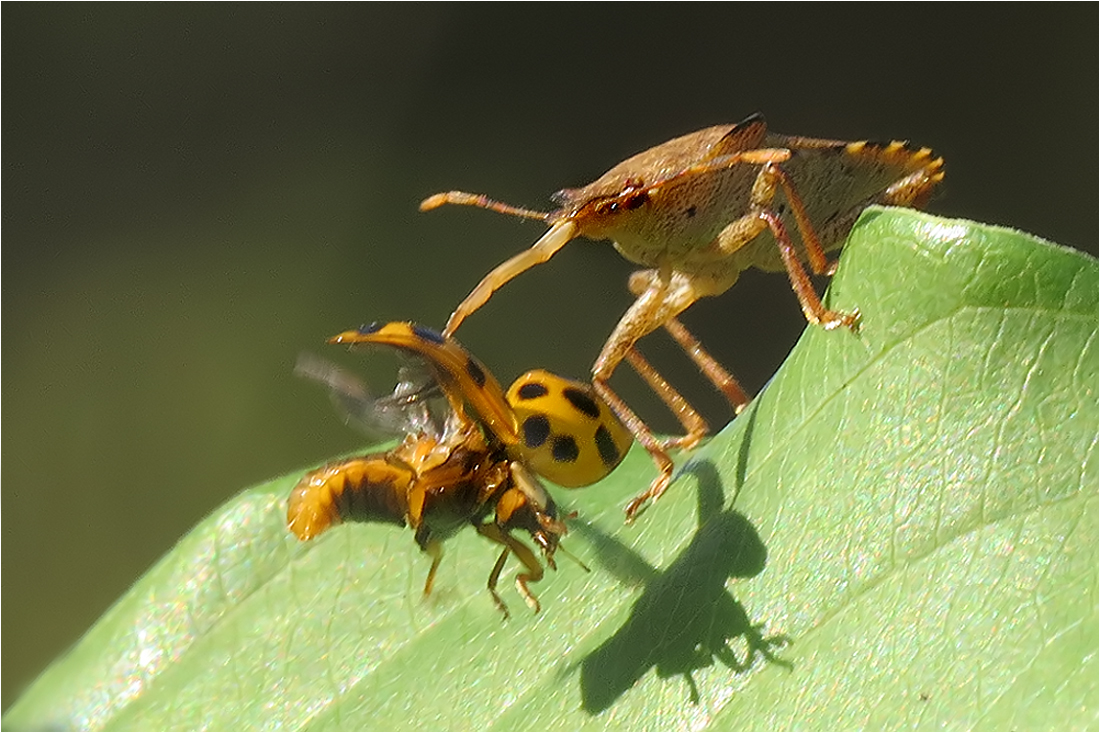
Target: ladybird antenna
480 201
574 558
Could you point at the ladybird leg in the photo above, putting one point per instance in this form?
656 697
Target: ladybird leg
494 576
523 553
533 575
434 548
555 238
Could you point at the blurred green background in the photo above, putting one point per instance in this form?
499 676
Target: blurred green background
194 193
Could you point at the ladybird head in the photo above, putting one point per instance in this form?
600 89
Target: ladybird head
567 434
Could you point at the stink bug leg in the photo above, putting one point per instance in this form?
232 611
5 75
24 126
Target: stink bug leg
698 210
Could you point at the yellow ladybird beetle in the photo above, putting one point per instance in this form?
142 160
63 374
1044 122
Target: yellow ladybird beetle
696 211
470 454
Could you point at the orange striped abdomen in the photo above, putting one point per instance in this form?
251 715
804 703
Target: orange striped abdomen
368 488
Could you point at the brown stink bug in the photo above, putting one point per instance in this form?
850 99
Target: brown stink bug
696 211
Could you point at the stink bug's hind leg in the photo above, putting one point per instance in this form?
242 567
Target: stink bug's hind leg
743 230
726 383
695 426
812 307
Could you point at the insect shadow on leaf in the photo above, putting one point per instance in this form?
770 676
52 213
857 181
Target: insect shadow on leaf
685 617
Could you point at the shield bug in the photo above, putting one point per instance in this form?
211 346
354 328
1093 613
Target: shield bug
471 454
695 212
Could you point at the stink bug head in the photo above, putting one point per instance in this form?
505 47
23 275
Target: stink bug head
647 197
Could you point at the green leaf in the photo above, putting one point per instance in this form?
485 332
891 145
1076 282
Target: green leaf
901 532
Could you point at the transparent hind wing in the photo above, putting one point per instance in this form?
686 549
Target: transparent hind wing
416 406
419 399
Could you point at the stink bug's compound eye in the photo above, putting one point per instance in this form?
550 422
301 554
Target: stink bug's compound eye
567 434
607 208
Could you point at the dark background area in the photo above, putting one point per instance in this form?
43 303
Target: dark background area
192 194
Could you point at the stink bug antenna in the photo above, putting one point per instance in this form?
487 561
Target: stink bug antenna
481 202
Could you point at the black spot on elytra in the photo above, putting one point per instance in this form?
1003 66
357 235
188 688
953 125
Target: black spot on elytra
536 429
370 328
532 391
565 449
690 211
475 371
428 334
609 452
582 402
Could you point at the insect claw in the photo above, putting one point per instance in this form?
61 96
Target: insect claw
500 604
634 508
853 320
640 502
528 596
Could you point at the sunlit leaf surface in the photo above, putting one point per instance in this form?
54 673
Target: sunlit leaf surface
901 532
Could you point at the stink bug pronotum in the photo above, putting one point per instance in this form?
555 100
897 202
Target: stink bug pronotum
696 211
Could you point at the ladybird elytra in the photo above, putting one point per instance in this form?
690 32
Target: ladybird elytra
464 378
568 435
